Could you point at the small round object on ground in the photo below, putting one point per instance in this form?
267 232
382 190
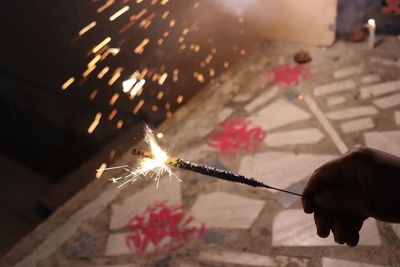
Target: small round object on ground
302 57
357 36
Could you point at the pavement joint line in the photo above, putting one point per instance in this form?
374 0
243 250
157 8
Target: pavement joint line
333 134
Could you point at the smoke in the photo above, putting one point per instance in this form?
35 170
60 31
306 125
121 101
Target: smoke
238 7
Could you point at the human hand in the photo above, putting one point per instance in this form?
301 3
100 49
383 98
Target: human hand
344 192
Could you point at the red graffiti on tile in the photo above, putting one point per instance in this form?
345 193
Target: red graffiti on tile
235 135
162 229
391 6
287 74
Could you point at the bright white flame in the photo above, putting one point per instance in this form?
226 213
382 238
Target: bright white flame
127 85
137 87
113 51
152 167
371 22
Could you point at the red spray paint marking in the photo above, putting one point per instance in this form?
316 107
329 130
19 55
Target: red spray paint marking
392 6
236 135
162 229
286 74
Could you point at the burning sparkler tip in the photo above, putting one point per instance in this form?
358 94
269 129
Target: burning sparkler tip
142 153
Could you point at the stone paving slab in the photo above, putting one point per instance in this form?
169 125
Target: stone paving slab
277 114
295 228
223 210
295 137
329 262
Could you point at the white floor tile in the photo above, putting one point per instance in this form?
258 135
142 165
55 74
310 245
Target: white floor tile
380 89
329 262
334 87
388 101
345 72
295 137
372 78
295 228
386 141
357 125
350 113
224 210
278 113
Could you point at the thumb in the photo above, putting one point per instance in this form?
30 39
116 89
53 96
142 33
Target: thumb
343 200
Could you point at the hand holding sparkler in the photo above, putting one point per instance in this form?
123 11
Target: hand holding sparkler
344 192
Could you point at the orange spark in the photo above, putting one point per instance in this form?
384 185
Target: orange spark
67 83
115 76
100 170
103 72
106 5
160 95
119 124
165 14
94 124
94 61
113 99
119 13
93 94
139 49
161 80
88 71
138 15
87 28
101 44
112 114
179 99
138 106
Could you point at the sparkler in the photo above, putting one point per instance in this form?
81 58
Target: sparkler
210 171
156 162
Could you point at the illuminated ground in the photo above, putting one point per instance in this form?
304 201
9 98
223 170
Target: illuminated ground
266 118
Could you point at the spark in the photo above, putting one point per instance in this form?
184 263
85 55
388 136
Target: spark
113 99
87 28
103 72
154 164
93 94
67 83
119 13
137 87
112 114
94 124
101 44
138 106
101 170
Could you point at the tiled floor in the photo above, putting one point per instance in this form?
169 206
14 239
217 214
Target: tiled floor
276 131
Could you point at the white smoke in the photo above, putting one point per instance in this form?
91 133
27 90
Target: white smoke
238 7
